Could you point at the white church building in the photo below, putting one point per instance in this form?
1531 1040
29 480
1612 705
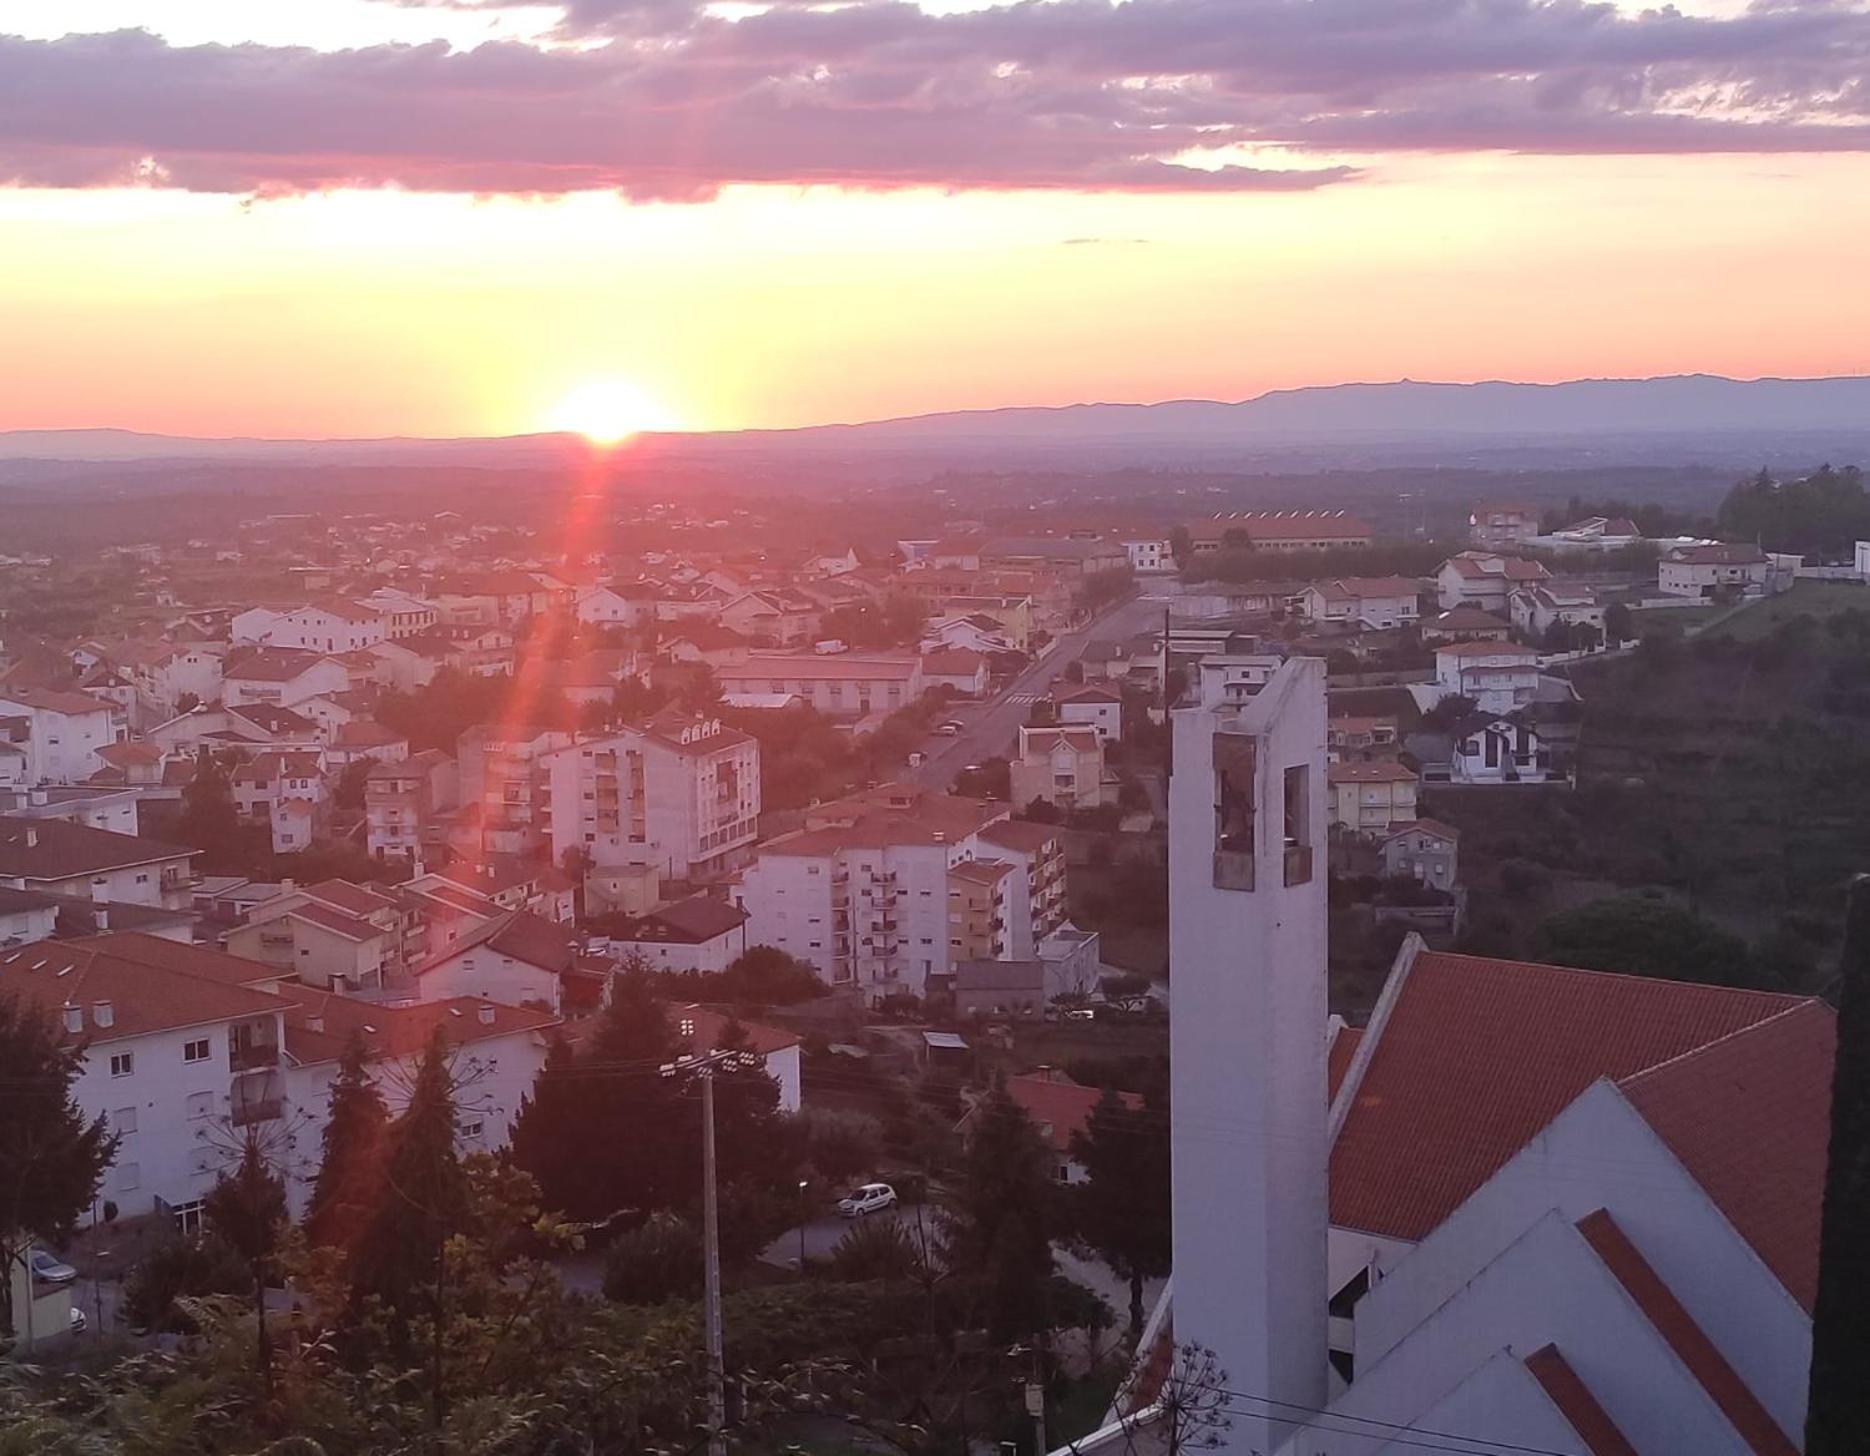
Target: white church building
1527 1208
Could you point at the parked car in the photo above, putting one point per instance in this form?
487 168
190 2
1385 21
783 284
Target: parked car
1081 1013
870 1198
79 1324
950 729
45 1267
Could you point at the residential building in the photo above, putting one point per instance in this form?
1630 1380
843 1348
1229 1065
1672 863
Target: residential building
508 881
1014 613
1466 624
1372 798
298 822
61 858
1495 525
1363 602
26 916
841 685
1426 850
1593 533
404 616
280 677
1060 1110
999 989
701 934
97 805
267 778
316 943
606 606
702 1030
967 673
1535 610
1095 707
974 632
1359 738
505 782
516 959
779 619
978 928
1279 531
1060 766
1501 748
1712 568
1233 677
681 793
63 732
330 625
1149 556
1072 960
860 894
1498 676
401 798
1484 579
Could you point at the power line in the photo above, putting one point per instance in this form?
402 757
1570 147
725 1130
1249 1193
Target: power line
1476 1445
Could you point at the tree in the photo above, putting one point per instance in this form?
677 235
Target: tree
655 1262
1443 717
246 1209
1122 1207
1641 936
209 820
349 794
399 1258
51 1159
1837 1421
350 1169
1004 1208
1619 624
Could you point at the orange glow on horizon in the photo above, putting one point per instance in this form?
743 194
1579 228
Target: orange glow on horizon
609 411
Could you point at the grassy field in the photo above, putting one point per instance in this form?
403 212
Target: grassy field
1817 599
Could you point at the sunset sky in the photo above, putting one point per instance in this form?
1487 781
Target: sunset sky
442 217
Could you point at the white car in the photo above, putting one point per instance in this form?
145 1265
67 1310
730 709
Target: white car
870 1198
951 729
45 1267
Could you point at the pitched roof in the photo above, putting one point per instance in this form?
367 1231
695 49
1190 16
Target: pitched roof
980 871
1473 1056
1717 553
838 667
57 849
52 700
701 1027
1020 834
1566 1389
1749 1117
1467 619
319 1024
1487 649
1384 771
269 664
694 921
1344 1043
1425 826
1059 1106
356 899
144 996
521 935
367 733
337 922
952 661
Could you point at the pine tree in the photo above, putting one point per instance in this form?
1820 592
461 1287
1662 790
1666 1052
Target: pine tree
1005 1208
399 1259
633 1027
1837 1422
1122 1207
350 1169
51 1159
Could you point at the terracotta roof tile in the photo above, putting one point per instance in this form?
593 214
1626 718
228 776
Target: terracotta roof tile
1566 1390
1477 1055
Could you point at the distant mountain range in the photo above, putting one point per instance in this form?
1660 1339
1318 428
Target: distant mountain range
1586 415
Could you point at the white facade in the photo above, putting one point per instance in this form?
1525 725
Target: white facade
684 800
840 686
1102 713
1500 751
1247 1048
25 919
1534 609
1862 560
65 731
485 970
1498 676
1231 678
1701 571
1151 555
242 684
328 627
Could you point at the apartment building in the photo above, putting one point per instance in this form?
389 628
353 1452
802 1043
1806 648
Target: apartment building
1495 524
60 733
861 894
1059 766
977 912
505 783
330 625
1372 798
1498 676
401 799
682 794
1278 531
280 677
59 857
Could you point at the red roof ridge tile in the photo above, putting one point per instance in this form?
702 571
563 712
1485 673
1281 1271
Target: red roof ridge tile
1566 1389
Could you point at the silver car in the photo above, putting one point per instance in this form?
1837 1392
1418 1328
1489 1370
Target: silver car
870 1198
49 1269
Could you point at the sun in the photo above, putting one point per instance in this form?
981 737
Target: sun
608 411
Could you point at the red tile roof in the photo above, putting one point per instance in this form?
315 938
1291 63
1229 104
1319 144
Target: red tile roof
1384 771
1058 1106
1749 1117
1486 649
1338 1056
1686 1338
701 1029
143 996
318 1024
1476 1055
1566 1390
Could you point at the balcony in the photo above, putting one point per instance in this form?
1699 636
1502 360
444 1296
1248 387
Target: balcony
259 1109
255 1058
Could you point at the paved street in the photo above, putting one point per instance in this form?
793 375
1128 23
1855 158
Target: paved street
993 726
822 1235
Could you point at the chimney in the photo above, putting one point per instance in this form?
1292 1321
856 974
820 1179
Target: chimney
103 1013
32 836
286 887
486 1013
315 1023
99 892
100 916
38 798
74 1017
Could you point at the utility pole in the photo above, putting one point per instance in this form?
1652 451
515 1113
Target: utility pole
711 1274
704 1068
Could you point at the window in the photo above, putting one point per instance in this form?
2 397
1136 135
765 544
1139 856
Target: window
202 1161
122 1063
200 1105
142 879
123 1120
472 1129
196 1051
126 1177
187 1217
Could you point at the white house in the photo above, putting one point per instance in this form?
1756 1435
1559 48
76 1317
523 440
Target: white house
1375 602
1535 609
519 959
279 676
1494 524
702 1030
62 858
403 615
1703 570
1150 555
329 625
605 606
842 685
64 732
1496 748
972 632
699 934
26 916
1484 579
966 672
1498 676
1095 707
1063 766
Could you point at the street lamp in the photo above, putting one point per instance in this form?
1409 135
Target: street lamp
804 1183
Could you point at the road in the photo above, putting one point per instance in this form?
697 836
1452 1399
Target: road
822 1235
993 726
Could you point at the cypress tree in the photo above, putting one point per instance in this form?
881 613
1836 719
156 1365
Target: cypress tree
1837 1421
350 1168
1123 1204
